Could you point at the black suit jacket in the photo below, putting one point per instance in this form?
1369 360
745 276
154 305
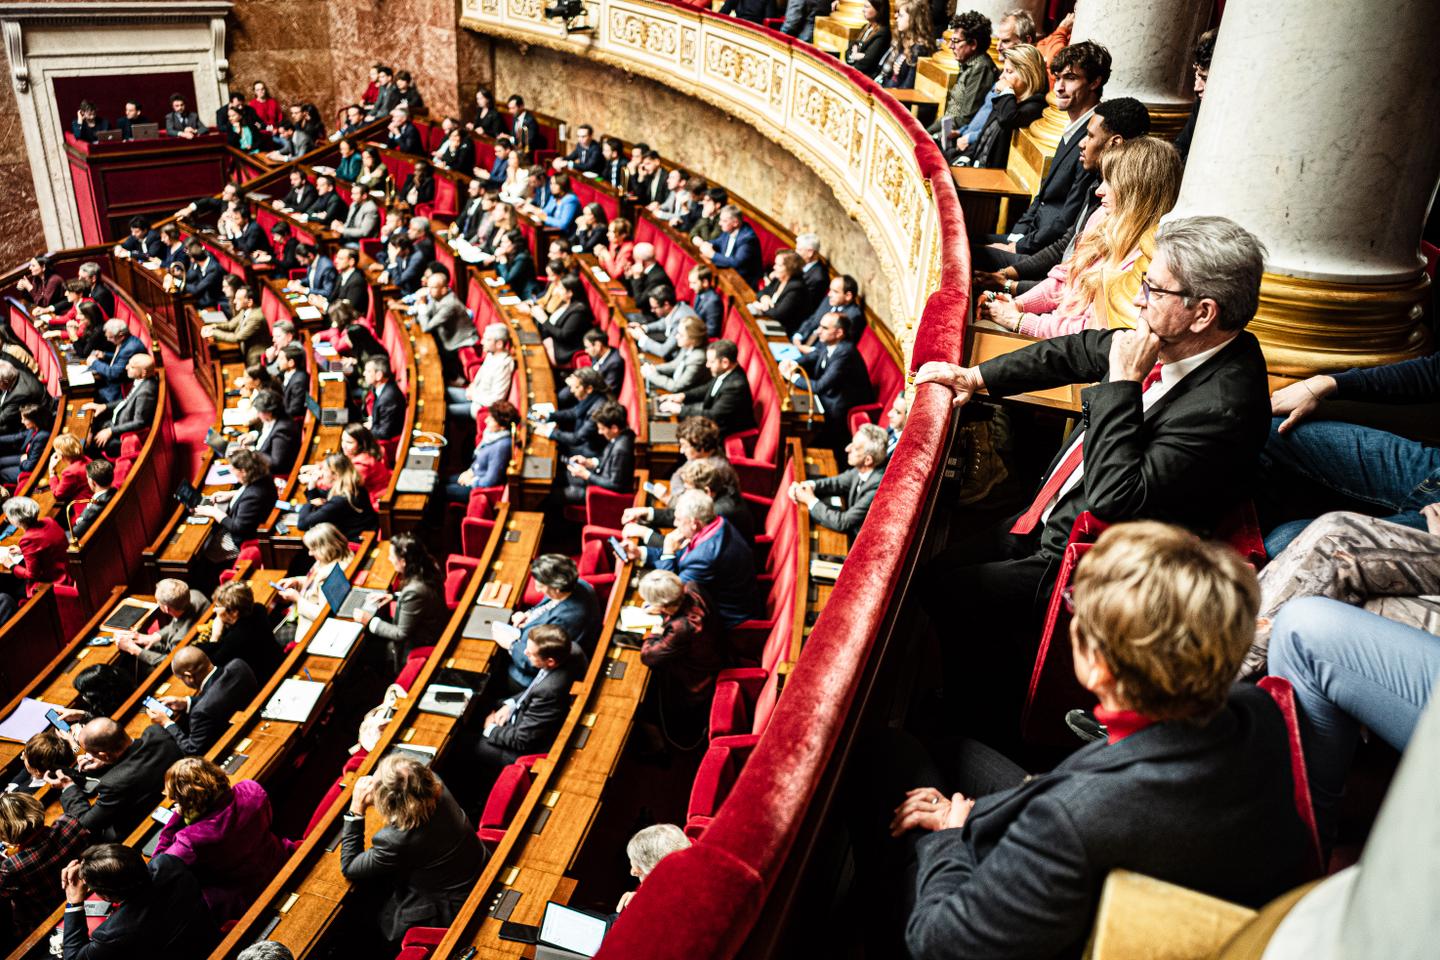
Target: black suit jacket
587 159
855 493
840 381
1057 204
128 790
387 417
732 407
612 369
300 198
567 329
431 867
248 640
151 246
27 390
248 509
616 469
229 691
296 389
282 446
535 722
351 517
252 239
170 919
352 288
575 432
791 307
203 281
327 209
641 287
1186 460
92 512
1207 806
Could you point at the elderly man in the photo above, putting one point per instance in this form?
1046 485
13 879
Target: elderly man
19 388
816 277
109 367
855 488
131 772
135 413
708 551
645 276
178 602
198 720
401 134
491 382
1172 429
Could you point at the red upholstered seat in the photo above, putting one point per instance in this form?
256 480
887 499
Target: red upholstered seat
732 705
475 533
718 770
458 569
506 795
1283 694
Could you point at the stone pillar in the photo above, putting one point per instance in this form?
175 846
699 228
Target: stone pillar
1152 43
1319 135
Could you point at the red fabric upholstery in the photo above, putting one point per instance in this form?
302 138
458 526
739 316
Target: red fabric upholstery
1283 694
474 535
458 569
718 771
423 937
735 694
506 795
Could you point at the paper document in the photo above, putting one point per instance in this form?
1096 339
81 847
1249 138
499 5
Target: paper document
783 351
220 475
78 375
307 311
293 701
27 720
335 638
237 416
636 620
502 631
415 481
601 275
542 409
508 301
494 282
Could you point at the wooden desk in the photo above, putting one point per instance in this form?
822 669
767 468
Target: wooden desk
425 402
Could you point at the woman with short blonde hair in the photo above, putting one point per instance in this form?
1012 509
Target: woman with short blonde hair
328 549
67 467
33 867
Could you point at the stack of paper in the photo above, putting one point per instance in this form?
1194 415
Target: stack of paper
27 720
637 620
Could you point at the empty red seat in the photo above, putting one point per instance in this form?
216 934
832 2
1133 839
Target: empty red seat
506 795
718 771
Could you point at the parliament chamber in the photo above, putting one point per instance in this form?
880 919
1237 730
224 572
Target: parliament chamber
655 478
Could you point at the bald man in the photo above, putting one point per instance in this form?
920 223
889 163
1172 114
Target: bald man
645 275
131 773
197 721
134 413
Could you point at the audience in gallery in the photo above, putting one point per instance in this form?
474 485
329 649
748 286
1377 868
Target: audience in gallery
855 487
1019 100
969 42
913 39
427 852
1204 52
1099 284
872 44
1081 72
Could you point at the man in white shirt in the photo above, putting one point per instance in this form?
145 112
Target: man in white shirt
491 382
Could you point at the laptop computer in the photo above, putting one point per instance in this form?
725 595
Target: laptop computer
189 495
107 136
144 131
328 416
569 934
344 599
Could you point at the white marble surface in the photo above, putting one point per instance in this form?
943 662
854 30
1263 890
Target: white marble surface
1151 43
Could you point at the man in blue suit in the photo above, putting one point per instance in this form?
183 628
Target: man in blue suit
569 602
709 552
500 168
204 277
109 366
737 248
321 277
838 377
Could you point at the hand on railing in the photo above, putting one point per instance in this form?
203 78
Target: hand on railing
964 381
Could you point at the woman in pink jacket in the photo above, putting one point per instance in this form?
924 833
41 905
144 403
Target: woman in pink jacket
1095 287
222 832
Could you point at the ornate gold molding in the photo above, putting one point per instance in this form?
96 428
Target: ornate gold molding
1167 120
1313 326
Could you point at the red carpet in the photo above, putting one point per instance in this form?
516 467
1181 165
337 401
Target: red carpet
192 407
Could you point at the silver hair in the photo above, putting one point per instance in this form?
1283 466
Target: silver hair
730 210
173 593
661 587
1024 24
419 223
808 240
22 511
873 442
696 505
1216 259
653 844
265 950
497 332
115 326
89 269
9 373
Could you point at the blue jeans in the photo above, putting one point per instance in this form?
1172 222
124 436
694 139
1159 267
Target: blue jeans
1350 668
1393 476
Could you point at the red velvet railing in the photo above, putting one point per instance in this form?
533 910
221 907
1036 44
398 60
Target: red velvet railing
733 869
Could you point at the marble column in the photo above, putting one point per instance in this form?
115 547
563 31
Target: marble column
1152 44
1319 135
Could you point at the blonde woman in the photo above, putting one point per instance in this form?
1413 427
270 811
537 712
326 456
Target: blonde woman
67 468
427 851
1095 286
339 497
328 548
1018 102
913 39
784 298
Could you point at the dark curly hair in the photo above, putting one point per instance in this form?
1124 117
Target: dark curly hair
1205 49
976 27
1087 56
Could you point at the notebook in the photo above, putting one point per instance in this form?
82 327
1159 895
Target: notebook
335 638
293 701
131 614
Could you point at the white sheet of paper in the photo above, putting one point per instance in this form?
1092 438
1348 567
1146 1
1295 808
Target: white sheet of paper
635 619
79 375
501 630
220 474
294 700
237 416
306 311
508 301
334 638
27 720
601 275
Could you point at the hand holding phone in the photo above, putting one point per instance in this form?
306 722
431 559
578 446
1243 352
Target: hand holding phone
155 706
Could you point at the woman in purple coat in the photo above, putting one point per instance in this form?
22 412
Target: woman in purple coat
222 833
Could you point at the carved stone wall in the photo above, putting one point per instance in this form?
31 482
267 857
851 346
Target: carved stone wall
702 138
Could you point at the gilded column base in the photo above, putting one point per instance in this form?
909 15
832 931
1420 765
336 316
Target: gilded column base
1317 326
1168 119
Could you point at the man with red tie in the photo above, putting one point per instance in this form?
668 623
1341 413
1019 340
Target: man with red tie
1171 428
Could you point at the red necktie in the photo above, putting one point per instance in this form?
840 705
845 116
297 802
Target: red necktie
1031 517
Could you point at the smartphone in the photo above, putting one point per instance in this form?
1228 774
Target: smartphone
618 545
162 815
159 707
449 696
103 640
519 932
97 908
53 716
654 489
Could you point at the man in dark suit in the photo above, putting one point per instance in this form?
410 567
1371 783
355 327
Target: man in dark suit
143 243
1201 769
725 398
387 95
180 122
134 413
838 378
737 248
384 403
133 116
248 116
110 367
648 186
326 206
605 360
320 275
251 238
854 487
301 193
100 478
198 720
19 388
158 909
204 276
279 436
586 156
814 272
612 152
614 469
1080 71
707 550
401 135
294 380
843 296
350 284
523 125
645 276
1172 429
574 432
528 721
131 772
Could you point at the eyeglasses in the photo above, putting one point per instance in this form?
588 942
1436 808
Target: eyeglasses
1146 289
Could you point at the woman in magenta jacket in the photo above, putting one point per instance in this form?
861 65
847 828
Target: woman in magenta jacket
222 832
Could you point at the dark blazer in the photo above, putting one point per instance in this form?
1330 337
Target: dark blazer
791 306
467 221
519 273
1186 460
227 692
351 517
710 308
150 246
533 724
252 239
92 511
640 287
574 430
128 790
328 208
173 255
855 493
251 640
612 369
294 393
248 509
282 446
461 160
321 278
586 159
723 565
651 189
839 379
419 618
578 614
732 407
567 329
175 123
203 281
616 470
852 311
406 141
431 867
817 284
1207 806
1057 204
387 415
526 130
743 254
1006 116
352 288
137 411
865 53
170 919
27 390
300 198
